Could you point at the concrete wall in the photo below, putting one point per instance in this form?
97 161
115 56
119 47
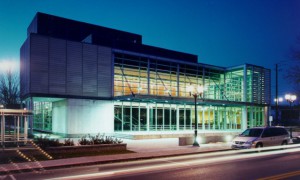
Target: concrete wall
205 138
59 117
76 117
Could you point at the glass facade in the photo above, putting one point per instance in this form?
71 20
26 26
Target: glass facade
42 116
145 76
131 116
228 93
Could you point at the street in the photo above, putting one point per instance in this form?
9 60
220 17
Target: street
241 164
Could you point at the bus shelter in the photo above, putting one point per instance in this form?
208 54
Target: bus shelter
14 125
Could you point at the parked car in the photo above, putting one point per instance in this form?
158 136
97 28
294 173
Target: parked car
261 137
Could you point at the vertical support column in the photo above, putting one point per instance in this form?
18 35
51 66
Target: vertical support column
148 77
244 118
18 129
130 116
43 114
191 119
31 119
2 129
266 115
139 117
148 117
15 129
122 116
156 116
209 117
224 116
177 74
163 118
235 120
177 117
244 110
170 117
25 129
214 119
203 118
184 117
245 84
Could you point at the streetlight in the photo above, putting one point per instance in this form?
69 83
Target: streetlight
195 92
280 99
290 98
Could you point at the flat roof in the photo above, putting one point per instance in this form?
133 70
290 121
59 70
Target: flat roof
62 28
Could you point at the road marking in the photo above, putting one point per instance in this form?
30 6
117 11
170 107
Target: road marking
281 176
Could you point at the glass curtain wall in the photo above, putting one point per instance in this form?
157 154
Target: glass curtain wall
42 116
132 116
234 85
147 76
255 117
137 75
134 75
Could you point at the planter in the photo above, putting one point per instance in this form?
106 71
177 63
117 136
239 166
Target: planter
87 148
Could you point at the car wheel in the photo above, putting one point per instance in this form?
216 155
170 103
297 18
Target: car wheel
284 143
258 146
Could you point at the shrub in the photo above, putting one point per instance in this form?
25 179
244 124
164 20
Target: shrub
68 142
98 139
45 141
84 141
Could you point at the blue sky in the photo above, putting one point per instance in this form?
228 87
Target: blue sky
220 32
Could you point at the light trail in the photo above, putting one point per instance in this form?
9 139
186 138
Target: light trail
167 164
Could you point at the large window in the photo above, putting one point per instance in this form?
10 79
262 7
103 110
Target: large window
42 116
132 116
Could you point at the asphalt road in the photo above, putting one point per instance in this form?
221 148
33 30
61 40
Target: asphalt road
222 165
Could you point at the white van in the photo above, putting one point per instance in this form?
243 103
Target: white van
261 137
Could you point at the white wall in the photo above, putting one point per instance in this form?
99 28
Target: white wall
59 116
85 117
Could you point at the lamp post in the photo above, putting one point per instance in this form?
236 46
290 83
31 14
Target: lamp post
290 98
195 92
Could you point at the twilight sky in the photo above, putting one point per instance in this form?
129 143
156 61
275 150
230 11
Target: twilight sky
220 32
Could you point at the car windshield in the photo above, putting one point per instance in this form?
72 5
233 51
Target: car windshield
252 132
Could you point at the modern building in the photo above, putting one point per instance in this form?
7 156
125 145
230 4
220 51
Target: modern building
80 78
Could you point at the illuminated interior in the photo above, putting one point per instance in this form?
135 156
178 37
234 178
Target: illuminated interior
154 78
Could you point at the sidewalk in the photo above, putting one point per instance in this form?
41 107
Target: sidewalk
145 149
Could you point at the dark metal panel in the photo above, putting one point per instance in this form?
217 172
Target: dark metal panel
74 68
57 66
24 68
39 64
89 70
104 72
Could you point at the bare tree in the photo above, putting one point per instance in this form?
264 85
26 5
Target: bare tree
293 72
9 88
